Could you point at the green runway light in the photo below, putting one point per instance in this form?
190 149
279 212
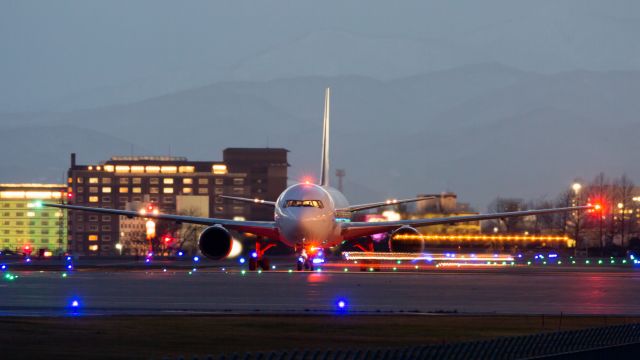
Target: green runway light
624 261
345 269
559 262
395 269
587 262
64 275
190 273
544 263
398 262
528 262
370 269
259 271
573 262
243 272
290 271
600 262
613 261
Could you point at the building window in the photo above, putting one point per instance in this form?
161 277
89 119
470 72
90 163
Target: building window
218 190
80 189
154 190
93 247
136 198
219 209
93 217
123 180
106 198
154 181
203 191
123 199
187 181
203 181
93 189
106 217
238 209
123 190
186 169
93 180
219 181
106 180
44 223
167 200
238 190
153 198
137 169
187 191
238 181
31 214
136 181
93 227
92 237
219 169
80 180
44 232
122 168
93 199
106 189
167 190
136 190
19 214
169 169
80 228
106 227
219 200
167 181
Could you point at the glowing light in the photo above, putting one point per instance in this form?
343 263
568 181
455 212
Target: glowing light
69 267
243 272
254 254
236 249
341 304
242 260
64 275
196 259
180 253
75 304
3 267
290 271
318 261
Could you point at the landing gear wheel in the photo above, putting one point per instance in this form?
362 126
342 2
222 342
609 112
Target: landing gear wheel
308 265
265 264
253 264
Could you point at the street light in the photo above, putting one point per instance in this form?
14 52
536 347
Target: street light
576 187
119 247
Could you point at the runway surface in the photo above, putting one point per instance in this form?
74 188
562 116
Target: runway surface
508 291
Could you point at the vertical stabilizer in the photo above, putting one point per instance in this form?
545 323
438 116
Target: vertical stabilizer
324 170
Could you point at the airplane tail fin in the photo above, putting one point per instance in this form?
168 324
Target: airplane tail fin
324 170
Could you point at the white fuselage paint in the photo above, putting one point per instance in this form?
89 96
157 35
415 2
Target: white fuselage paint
309 226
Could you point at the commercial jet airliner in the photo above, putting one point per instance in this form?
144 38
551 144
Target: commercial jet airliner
309 218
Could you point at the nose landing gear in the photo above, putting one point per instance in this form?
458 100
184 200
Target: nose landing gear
306 259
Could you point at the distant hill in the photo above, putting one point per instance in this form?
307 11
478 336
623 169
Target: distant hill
481 130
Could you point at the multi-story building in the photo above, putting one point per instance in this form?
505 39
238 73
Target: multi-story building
169 183
25 226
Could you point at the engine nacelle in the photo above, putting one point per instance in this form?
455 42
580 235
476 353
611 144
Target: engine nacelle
406 240
215 242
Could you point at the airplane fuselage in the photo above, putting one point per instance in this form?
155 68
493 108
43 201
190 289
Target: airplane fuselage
305 215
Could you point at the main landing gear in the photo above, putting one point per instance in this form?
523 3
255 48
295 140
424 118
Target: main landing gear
368 265
257 260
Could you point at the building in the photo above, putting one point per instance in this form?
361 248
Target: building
266 171
168 182
28 227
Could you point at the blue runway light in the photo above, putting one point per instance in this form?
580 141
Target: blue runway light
242 260
68 258
147 260
75 304
254 254
28 260
180 253
70 267
3 267
341 305
196 259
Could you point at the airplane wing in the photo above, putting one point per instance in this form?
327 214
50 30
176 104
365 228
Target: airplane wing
353 230
384 203
259 228
253 201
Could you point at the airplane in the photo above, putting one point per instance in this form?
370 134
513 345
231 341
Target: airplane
310 218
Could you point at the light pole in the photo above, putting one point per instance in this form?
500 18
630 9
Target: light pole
576 193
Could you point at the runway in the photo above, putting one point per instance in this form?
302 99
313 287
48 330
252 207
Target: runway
508 291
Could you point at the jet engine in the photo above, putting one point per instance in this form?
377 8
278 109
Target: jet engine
406 240
215 242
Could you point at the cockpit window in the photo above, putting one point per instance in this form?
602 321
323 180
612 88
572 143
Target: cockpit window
304 203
